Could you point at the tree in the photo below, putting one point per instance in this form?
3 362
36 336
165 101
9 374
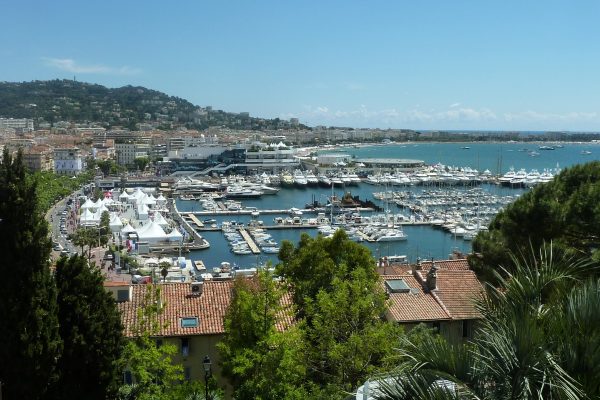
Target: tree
340 301
260 362
104 228
150 364
141 163
565 211
531 343
315 263
30 342
83 237
90 326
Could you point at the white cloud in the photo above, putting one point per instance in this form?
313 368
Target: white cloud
70 65
539 116
452 117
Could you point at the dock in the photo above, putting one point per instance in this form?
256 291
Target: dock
286 211
195 220
253 247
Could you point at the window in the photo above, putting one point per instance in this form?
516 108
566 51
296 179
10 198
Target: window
189 322
436 326
127 378
122 295
185 347
159 342
187 373
466 328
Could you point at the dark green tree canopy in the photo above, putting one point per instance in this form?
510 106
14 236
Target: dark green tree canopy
315 263
565 211
90 326
30 341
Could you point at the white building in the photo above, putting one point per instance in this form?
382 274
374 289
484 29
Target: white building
270 157
68 161
128 152
20 124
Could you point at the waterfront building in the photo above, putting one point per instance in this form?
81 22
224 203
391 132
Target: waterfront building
68 161
333 158
389 164
440 294
274 157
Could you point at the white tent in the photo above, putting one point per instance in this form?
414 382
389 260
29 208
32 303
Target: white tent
115 223
128 228
152 233
101 210
159 219
88 204
161 200
175 236
143 212
123 196
87 218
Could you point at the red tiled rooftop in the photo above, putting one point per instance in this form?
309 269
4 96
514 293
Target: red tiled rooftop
413 306
450 265
458 290
179 302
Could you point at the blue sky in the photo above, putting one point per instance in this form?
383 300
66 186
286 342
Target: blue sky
511 65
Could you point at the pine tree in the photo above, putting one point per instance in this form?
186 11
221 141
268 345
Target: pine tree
90 326
30 344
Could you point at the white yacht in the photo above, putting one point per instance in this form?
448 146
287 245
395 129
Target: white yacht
300 179
324 181
391 235
311 179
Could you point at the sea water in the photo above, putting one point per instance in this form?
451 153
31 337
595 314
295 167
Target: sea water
423 241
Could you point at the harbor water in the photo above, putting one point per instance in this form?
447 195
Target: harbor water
423 241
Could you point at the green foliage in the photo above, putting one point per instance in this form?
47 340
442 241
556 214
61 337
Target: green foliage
30 341
140 163
86 236
565 211
316 262
67 100
151 367
341 303
53 187
105 232
90 326
260 362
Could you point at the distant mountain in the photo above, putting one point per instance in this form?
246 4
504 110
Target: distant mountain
128 106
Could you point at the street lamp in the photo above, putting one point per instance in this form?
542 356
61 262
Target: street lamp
207 373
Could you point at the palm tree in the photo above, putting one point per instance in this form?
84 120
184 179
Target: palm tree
529 345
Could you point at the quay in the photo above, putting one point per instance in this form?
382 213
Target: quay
253 247
286 211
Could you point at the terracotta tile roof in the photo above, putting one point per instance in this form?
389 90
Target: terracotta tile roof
179 302
451 265
454 298
414 306
458 290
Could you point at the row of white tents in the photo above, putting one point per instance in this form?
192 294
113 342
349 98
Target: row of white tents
151 231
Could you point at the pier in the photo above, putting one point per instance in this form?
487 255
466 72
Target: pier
195 220
286 211
253 247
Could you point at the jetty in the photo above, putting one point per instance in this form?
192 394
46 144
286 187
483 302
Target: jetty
273 211
195 220
253 247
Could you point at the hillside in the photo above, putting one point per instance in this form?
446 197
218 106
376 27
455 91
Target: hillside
128 106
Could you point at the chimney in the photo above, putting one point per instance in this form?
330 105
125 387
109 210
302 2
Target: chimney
418 266
197 288
432 277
